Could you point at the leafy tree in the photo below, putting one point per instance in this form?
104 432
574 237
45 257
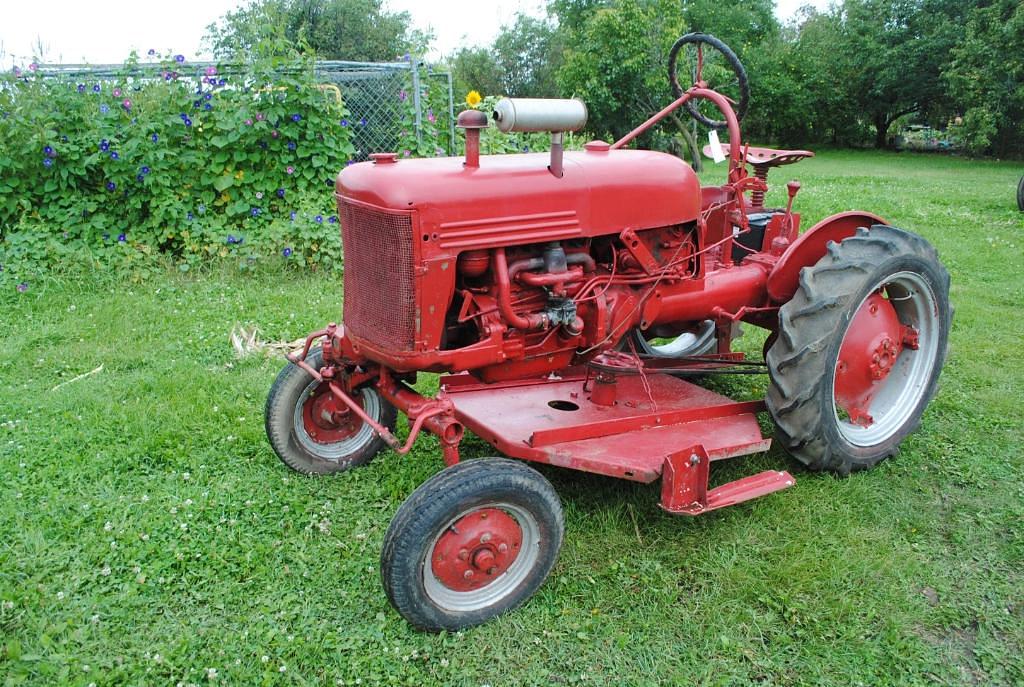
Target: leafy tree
522 63
986 77
359 30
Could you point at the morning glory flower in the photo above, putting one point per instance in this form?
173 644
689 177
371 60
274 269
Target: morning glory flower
48 151
189 216
290 169
117 92
121 237
81 88
111 186
140 177
151 52
144 169
231 238
104 109
287 252
154 138
319 219
179 59
104 145
254 212
210 71
362 121
280 193
114 155
344 122
292 145
22 287
296 117
332 219
47 162
96 88
292 215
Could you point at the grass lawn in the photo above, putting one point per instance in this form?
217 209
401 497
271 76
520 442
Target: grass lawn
150 535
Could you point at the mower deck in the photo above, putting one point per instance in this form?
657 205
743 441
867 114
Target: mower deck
556 421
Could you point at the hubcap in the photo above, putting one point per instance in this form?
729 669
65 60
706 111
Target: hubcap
886 359
327 428
481 557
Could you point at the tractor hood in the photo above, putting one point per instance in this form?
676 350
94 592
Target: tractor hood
514 199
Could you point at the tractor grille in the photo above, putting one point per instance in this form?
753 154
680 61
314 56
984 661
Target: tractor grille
380 291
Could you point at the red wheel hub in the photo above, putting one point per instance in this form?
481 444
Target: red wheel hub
326 419
476 549
871 347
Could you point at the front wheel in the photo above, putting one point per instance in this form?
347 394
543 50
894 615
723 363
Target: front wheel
315 435
859 350
472 542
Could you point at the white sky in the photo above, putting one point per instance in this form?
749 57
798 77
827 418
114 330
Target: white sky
105 31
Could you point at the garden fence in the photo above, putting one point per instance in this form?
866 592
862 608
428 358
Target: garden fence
378 95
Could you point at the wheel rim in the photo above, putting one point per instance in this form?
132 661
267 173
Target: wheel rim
326 428
886 360
497 544
687 343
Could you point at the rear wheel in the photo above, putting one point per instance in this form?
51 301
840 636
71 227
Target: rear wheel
697 340
1020 194
313 433
859 350
472 542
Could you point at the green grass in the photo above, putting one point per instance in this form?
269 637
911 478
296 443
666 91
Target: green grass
150 534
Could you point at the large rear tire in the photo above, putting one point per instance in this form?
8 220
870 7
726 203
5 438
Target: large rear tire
859 350
472 542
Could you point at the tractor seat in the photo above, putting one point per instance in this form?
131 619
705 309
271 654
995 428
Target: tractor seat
766 157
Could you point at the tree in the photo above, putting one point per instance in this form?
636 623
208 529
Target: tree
522 64
358 30
986 77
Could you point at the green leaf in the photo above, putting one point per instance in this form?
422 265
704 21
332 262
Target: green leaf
223 182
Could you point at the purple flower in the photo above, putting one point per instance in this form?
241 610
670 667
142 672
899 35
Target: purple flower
260 116
290 169
287 252
332 219
406 153
33 67
207 107
117 92
292 215
280 193
189 216
47 162
114 155
208 96
144 169
402 95
296 117
248 122
430 117
126 104
22 287
154 138
362 121
111 186
344 122
275 133
179 58
210 71
254 212
121 238
140 177
96 88
81 88
104 109
292 145
48 151
104 145
188 122
201 209
319 219
231 238
151 52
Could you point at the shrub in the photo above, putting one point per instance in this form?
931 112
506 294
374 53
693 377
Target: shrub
166 158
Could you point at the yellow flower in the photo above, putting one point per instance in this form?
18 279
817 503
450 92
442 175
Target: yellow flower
473 98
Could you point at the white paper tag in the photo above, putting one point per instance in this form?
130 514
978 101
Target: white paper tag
716 148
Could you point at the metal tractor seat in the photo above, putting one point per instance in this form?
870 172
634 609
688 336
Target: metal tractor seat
763 159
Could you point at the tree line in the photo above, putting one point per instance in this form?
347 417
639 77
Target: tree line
849 75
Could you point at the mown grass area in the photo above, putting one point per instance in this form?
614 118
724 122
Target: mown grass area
150 536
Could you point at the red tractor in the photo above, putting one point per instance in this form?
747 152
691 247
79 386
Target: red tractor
571 303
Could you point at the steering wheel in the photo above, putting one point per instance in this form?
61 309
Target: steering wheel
711 61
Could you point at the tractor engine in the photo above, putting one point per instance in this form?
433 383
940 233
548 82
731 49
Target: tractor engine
520 265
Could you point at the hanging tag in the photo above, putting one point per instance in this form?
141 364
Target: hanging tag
716 148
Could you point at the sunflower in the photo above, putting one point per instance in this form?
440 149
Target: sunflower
473 98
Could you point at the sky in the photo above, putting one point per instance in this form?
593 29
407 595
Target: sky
105 31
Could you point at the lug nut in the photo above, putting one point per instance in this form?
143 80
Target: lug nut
485 537
493 569
464 555
468 574
502 548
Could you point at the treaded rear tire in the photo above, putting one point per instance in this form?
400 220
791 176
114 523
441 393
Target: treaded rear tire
812 326
1020 194
432 509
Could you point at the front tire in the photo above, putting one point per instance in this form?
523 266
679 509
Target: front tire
315 438
472 542
859 350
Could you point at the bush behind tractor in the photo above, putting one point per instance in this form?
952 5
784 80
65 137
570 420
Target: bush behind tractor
572 302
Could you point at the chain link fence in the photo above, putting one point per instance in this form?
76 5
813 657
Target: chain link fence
390 103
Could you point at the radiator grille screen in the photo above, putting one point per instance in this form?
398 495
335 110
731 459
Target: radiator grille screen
380 298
